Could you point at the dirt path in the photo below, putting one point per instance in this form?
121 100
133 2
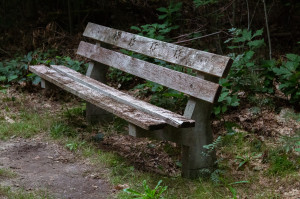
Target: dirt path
41 165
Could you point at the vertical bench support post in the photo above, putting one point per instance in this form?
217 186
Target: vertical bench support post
98 72
47 85
195 158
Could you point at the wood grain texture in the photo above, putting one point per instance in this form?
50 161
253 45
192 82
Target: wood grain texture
171 118
196 87
202 61
141 119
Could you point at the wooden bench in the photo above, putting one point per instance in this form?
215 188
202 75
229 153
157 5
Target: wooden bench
192 129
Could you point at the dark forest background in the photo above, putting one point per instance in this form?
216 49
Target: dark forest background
261 36
30 24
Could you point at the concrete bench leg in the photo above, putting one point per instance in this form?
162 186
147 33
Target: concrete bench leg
195 158
93 113
47 85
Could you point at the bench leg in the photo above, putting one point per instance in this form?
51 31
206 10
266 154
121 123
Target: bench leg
95 114
195 158
136 131
47 85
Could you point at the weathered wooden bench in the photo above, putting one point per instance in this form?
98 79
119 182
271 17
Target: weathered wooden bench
192 129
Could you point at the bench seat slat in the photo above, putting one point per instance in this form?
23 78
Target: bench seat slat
171 118
196 87
139 118
202 61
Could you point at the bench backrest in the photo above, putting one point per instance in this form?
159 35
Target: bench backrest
203 62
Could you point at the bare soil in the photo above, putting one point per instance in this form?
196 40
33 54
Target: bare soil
47 166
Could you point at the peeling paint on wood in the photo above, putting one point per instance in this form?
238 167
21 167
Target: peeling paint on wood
196 87
202 61
131 114
171 118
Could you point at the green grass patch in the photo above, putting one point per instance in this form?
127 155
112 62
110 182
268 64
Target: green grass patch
59 129
280 164
9 193
6 173
73 113
27 125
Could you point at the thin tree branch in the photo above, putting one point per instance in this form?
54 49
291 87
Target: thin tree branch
233 13
267 25
188 34
254 12
248 11
178 42
4 51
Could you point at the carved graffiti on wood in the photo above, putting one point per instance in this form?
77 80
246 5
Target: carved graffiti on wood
132 41
154 46
117 35
179 53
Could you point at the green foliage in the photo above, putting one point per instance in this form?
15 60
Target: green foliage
76 65
73 145
211 147
288 76
280 164
58 130
232 189
171 13
297 145
244 73
148 193
291 143
226 99
73 113
248 73
251 73
161 31
246 158
16 70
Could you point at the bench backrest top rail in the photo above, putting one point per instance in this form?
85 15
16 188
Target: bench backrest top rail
201 61
194 86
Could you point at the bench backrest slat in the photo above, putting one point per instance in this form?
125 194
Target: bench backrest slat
182 82
201 61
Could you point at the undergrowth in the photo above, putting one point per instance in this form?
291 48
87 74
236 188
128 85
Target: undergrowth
16 69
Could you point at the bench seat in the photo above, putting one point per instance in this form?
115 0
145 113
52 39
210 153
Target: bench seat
138 112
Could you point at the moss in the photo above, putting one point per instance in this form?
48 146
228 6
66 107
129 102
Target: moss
280 164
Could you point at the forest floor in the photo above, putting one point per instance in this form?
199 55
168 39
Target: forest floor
47 150
50 169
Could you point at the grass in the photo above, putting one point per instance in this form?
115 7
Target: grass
59 129
6 173
9 193
26 125
69 128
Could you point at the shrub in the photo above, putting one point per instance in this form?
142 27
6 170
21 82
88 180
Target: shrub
288 75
